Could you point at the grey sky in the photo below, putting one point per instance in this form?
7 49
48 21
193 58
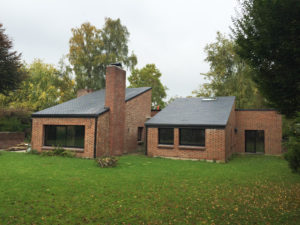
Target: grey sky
172 34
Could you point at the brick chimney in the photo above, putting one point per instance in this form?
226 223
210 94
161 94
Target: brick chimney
115 101
82 92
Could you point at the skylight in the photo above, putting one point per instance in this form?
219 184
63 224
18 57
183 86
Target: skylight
209 99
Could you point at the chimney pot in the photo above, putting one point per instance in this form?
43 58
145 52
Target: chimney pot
118 64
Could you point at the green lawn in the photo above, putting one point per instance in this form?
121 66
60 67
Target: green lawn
141 190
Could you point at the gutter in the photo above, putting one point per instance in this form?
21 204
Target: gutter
255 110
69 115
160 125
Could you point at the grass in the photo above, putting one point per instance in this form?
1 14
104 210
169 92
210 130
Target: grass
142 190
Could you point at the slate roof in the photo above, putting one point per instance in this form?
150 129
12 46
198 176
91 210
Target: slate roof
90 105
194 112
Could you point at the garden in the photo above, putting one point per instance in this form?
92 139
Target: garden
250 189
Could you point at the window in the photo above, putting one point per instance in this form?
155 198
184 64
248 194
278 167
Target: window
166 136
255 141
191 136
64 136
140 133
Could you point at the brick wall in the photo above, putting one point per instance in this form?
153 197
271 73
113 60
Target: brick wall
230 140
103 135
269 121
37 139
10 139
114 99
138 110
154 112
214 146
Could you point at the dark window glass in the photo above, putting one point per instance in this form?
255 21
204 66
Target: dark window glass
140 133
255 141
64 136
50 135
191 136
166 136
61 133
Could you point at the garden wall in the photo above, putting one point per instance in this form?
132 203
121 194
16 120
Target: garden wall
10 139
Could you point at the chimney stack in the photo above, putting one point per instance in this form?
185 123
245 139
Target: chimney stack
115 101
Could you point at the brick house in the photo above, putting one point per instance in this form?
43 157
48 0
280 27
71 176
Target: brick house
212 129
105 122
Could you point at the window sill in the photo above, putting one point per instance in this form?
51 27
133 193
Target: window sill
165 146
187 147
66 148
140 142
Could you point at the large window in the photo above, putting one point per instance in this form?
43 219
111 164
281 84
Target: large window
166 136
192 136
64 136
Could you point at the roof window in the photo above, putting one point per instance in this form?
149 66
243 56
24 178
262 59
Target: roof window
208 99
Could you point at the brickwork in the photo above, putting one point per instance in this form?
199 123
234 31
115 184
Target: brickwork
214 146
114 100
138 110
10 139
37 139
220 144
269 121
103 135
154 112
230 140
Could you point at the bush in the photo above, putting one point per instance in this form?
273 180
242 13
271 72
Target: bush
58 151
33 152
11 124
16 120
293 145
47 153
293 154
107 161
67 154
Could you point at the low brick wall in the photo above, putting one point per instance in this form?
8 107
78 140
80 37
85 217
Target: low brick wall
10 139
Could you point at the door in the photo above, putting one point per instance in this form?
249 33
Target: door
255 141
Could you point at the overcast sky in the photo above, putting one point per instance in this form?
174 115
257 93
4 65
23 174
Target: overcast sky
170 33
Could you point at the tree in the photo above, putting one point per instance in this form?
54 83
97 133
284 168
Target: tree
267 33
11 73
149 76
44 87
293 144
229 75
92 49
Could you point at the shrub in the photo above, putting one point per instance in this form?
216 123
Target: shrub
33 152
293 154
107 161
68 154
16 120
11 124
47 153
58 151
293 145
